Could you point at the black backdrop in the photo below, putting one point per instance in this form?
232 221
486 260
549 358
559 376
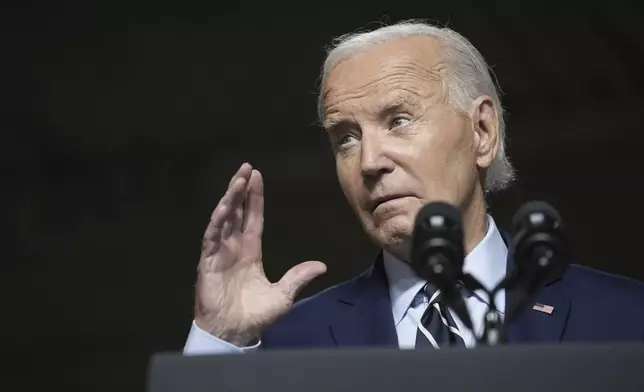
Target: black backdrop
122 123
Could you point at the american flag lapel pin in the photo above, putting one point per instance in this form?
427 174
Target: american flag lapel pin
539 307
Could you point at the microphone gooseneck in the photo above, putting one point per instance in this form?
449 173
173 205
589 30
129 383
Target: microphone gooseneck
437 253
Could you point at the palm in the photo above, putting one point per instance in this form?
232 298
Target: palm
238 282
234 297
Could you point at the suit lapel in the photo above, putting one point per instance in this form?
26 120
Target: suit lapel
365 316
544 318
536 323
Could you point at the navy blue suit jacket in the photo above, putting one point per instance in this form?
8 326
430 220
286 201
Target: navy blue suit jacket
589 306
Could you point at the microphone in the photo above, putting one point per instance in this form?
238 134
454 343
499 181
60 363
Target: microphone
540 253
437 253
540 244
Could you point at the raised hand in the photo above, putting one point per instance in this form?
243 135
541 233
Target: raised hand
234 299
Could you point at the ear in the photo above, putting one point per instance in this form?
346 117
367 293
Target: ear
485 124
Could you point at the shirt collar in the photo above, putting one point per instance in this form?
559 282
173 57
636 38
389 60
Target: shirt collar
486 262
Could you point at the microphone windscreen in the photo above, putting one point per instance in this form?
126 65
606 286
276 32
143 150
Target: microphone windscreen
532 207
439 209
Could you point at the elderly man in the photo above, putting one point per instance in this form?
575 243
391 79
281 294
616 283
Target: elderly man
413 116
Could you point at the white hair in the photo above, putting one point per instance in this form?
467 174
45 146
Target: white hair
470 77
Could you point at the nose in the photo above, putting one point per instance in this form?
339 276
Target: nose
374 161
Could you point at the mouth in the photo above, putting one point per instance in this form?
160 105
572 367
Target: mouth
384 199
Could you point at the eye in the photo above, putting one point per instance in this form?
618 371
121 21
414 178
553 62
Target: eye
399 122
345 140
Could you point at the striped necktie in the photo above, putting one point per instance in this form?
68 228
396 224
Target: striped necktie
437 322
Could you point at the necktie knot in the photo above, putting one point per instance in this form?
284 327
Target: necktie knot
427 294
433 295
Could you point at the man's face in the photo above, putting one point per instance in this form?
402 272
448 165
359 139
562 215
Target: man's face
398 142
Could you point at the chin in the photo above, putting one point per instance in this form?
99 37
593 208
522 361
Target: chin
394 233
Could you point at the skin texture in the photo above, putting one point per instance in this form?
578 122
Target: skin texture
398 144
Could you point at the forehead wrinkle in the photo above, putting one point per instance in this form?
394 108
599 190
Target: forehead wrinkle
413 67
357 93
394 71
436 74
400 97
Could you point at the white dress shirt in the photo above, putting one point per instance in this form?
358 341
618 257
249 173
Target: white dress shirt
486 262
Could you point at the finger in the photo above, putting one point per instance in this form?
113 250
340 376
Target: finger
220 211
221 215
299 276
254 205
227 229
237 216
244 171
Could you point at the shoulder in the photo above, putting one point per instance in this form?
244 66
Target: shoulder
593 289
603 306
594 282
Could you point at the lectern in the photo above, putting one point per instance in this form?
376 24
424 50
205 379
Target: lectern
618 367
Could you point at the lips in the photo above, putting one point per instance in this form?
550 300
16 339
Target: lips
383 199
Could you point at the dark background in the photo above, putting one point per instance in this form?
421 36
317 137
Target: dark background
123 122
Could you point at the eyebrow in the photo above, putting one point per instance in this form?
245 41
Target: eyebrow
397 103
335 126
393 104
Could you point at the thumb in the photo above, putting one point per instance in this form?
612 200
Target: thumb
299 276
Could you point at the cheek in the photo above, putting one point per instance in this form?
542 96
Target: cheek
349 181
445 161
